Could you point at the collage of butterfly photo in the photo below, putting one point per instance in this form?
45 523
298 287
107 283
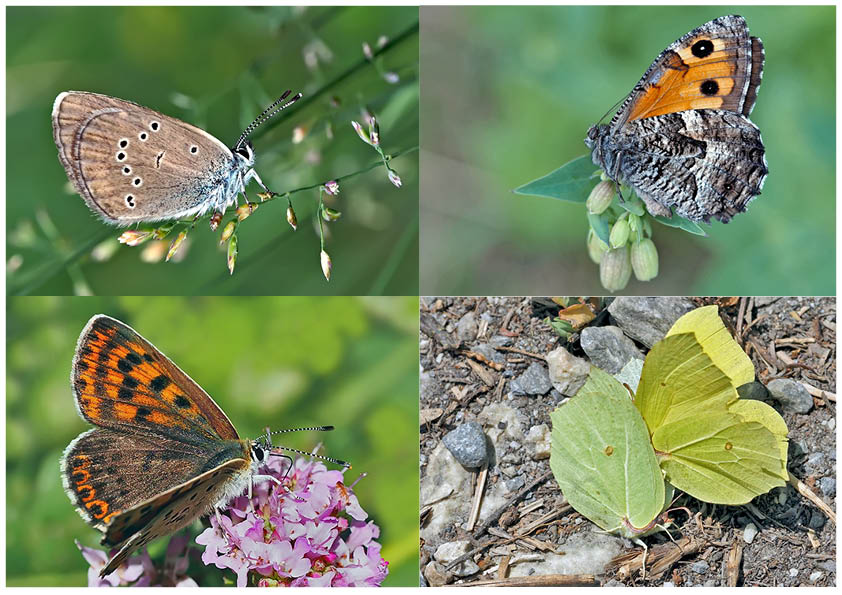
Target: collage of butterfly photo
420 295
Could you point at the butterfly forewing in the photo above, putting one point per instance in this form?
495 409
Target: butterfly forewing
125 159
120 380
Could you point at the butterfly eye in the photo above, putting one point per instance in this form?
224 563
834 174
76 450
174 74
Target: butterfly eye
243 152
257 453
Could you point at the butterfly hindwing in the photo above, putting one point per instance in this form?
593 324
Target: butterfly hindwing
121 380
169 511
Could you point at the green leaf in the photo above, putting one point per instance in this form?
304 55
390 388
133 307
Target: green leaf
599 223
681 223
572 181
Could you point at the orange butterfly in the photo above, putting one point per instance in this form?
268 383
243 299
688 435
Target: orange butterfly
682 138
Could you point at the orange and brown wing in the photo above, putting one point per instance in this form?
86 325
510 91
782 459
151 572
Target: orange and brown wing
716 66
120 380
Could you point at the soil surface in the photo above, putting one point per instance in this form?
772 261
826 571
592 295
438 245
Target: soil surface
789 337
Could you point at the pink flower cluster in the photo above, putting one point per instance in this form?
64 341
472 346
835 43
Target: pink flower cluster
311 531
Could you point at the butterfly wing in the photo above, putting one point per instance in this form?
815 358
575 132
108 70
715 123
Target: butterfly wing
107 473
121 381
708 163
603 461
170 511
127 161
715 66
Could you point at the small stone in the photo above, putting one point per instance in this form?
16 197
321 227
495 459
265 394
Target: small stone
514 484
468 444
436 575
466 328
763 301
814 576
793 572
700 567
815 462
797 449
489 352
450 551
648 319
539 442
501 341
608 348
828 486
750 532
710 583
817 520
567 372
831 424
534 381
791 395
753 390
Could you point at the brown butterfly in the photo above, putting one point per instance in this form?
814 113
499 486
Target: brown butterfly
682 138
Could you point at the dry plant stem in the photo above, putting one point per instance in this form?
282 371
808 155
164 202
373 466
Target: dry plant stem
660 558
480 489
522 352
808 493
546 580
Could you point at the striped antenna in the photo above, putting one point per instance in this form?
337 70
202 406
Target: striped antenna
266 114
268 438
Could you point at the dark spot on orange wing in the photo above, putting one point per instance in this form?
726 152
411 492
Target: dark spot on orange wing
91 406
159 383
182 402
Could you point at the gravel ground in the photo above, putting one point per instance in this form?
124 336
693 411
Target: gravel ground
482 361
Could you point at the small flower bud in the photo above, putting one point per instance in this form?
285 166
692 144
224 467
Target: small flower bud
135 237
391 77
299 133
327 264
232 253
615 269
266 195
382 41
361 132
245 210
367 51
619 233
635 226
374 131
215 220
227 231
600 197
291 219
332 187
329 214
596 247
176 244
394 178
644 259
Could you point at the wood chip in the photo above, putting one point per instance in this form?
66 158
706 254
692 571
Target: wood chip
503 568
487 377
808 493
482 359
817 392
430 415
732 565
478 492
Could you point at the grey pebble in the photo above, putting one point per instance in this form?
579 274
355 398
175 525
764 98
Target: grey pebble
828 486
468 444
791 395
753 390
647 319
608 348
466 328
700 567
534 381
749 533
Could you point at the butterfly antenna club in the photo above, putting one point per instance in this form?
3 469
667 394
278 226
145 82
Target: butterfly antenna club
276 107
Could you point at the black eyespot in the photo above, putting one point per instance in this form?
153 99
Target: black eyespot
137 181
130 204
124 142
702 48
127 170
121 156
194 149
709 88
154 126
143 136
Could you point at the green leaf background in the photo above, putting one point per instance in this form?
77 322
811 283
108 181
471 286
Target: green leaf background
281 362
508 96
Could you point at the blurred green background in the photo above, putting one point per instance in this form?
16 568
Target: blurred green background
217 68
281 362
508 95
